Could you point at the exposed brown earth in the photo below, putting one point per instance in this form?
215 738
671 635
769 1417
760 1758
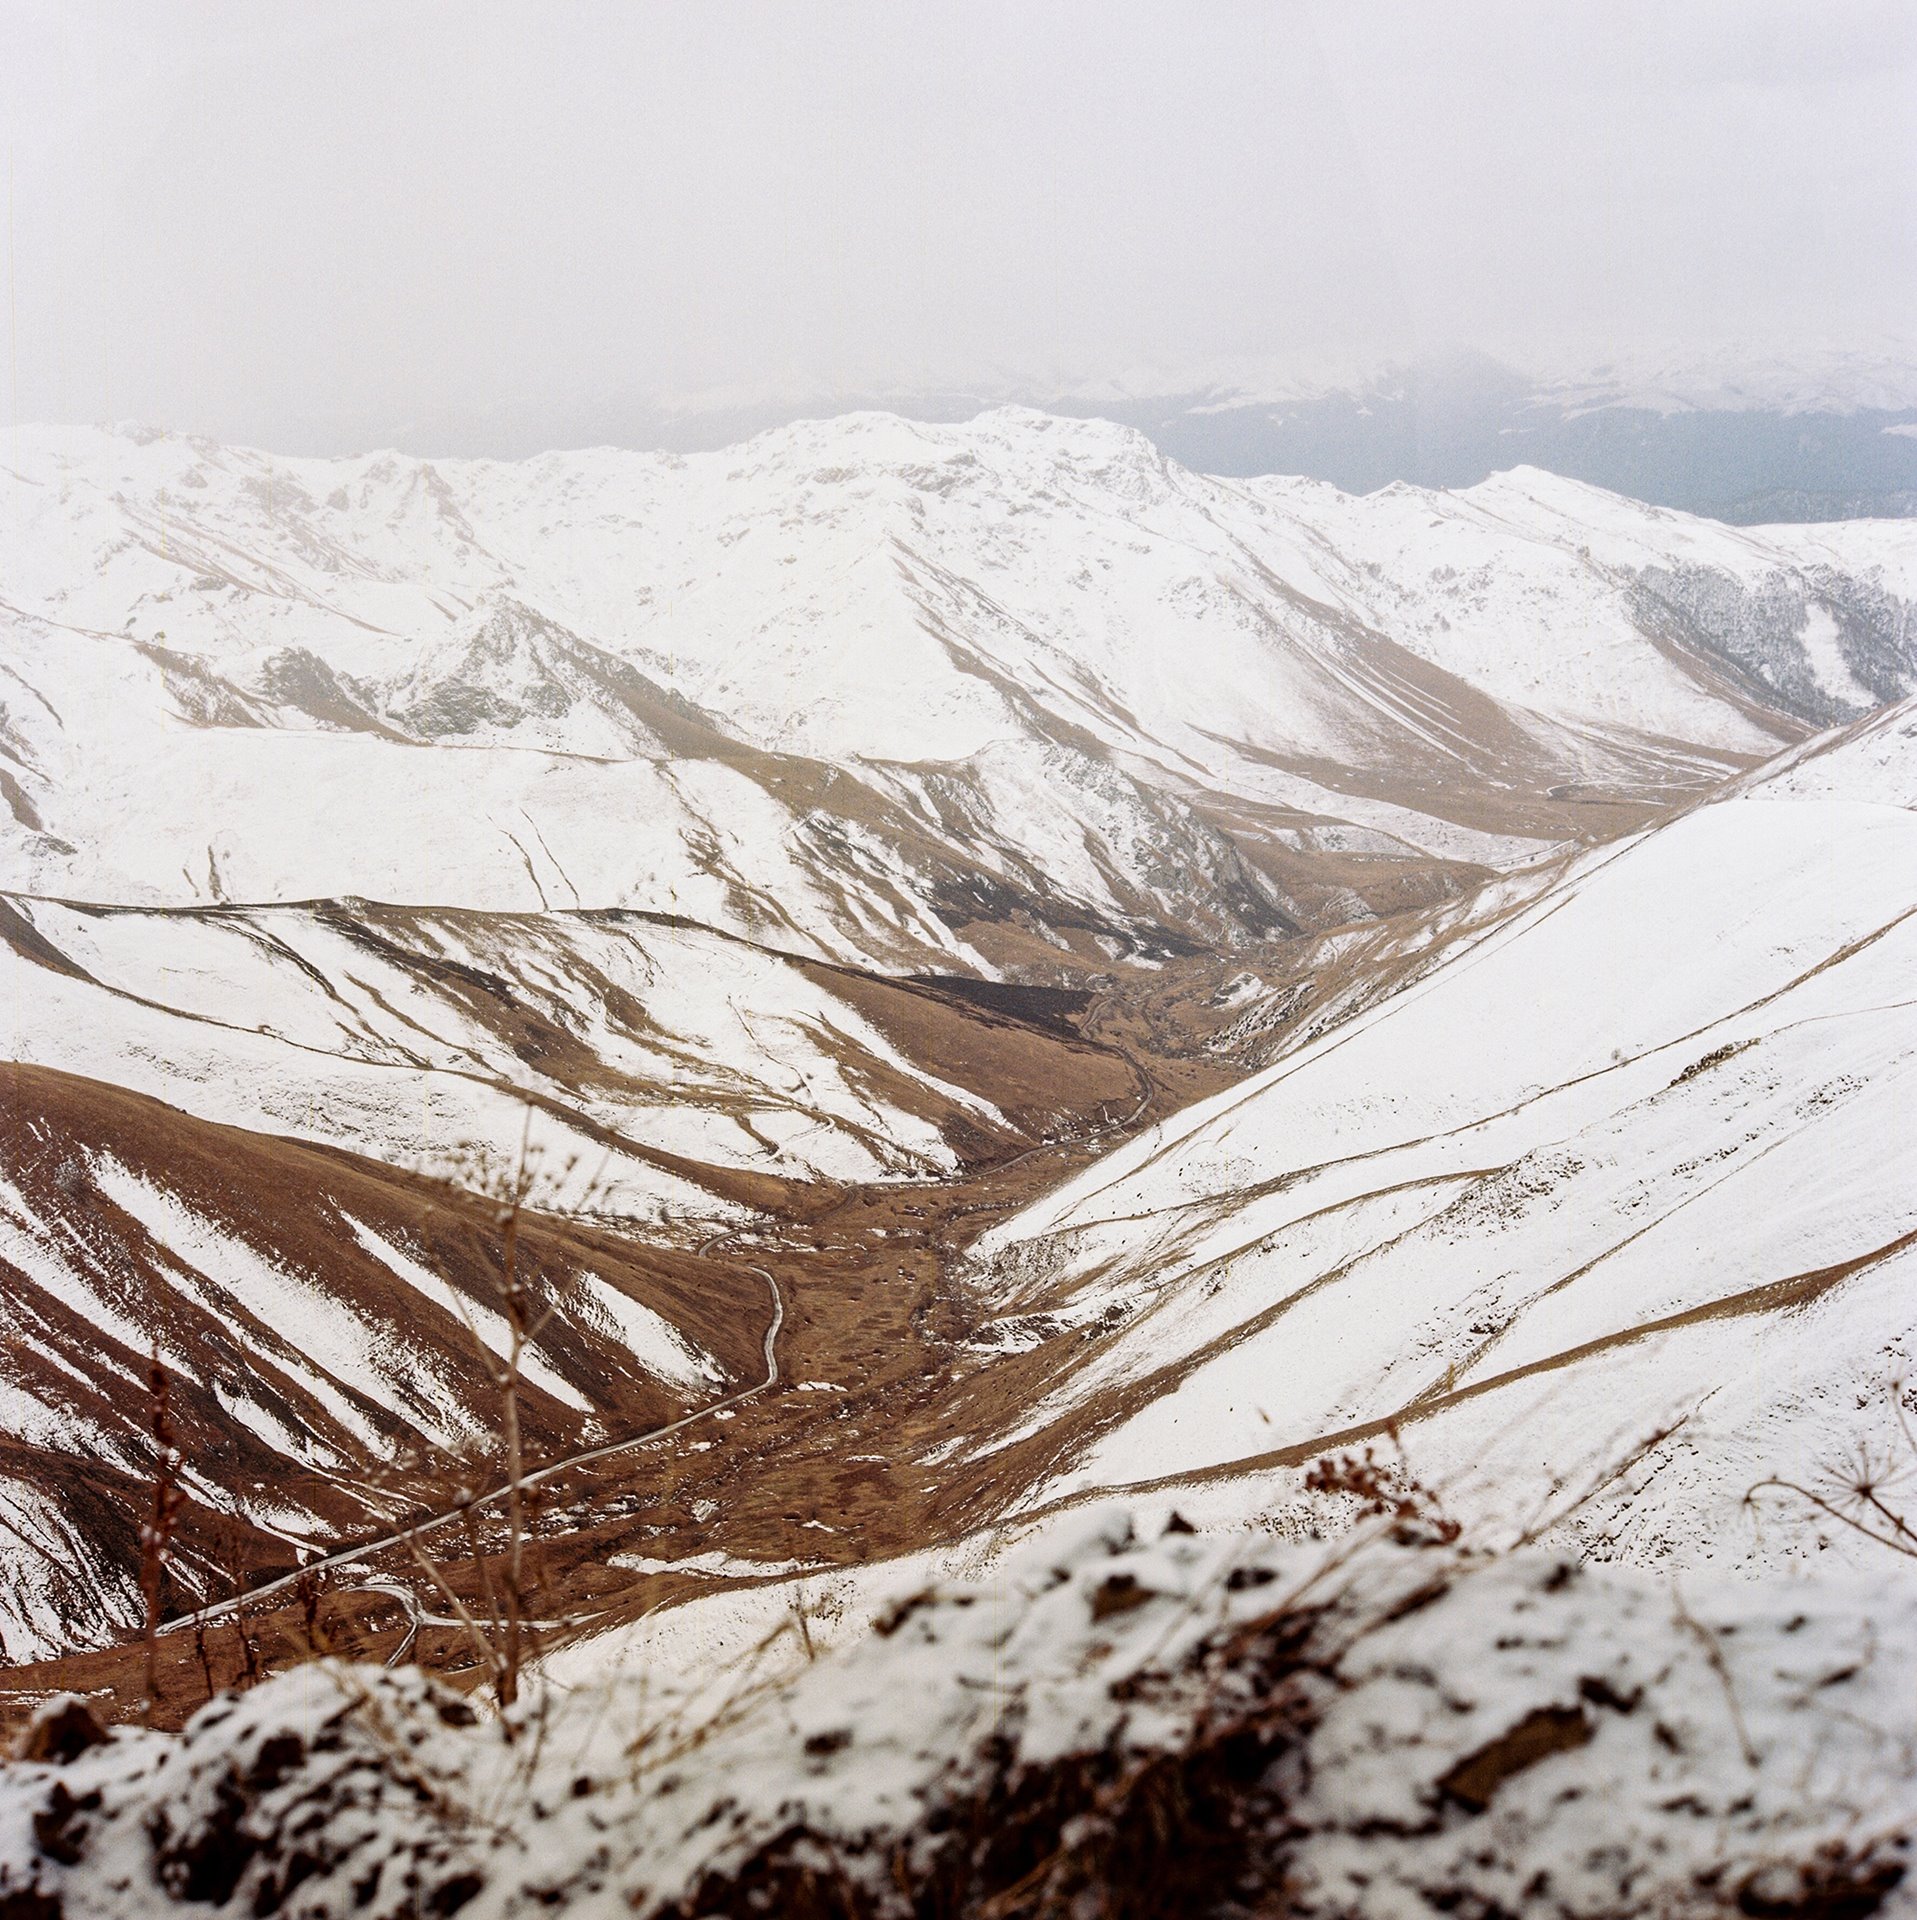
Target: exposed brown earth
286 1200
876 1367
869 1312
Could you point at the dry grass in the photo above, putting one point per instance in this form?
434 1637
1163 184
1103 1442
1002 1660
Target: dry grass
156 1532
1869 1490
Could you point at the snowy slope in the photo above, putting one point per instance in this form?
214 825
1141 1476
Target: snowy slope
329 1330
656 1050
1544 591
875 688
1631 1158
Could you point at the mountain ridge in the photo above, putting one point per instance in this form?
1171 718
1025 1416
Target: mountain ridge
868 644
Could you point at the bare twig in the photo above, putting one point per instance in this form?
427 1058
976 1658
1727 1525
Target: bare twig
1834 1512
156 1535
1610 1476
308 1589
1856 1491
483 1649
1714 1653
233 1565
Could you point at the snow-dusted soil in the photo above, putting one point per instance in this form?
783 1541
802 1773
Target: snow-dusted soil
1630 1157
1109 1722
330 1330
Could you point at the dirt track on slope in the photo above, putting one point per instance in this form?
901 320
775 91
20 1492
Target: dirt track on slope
821 1464
881 1374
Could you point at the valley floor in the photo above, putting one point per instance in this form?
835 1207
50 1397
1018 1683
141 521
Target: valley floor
834 1464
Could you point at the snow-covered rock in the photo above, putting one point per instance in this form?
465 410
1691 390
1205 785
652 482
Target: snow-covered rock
1191 1720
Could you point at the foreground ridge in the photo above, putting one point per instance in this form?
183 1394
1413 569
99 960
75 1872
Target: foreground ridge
1124 1718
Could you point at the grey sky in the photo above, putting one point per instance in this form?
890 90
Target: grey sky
462 226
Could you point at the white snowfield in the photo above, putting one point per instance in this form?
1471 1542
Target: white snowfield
1632 1160
796 687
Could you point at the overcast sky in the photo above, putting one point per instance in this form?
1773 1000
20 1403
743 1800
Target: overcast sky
465 227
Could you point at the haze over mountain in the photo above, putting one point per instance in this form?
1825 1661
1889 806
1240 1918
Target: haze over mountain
1419 232
1743 432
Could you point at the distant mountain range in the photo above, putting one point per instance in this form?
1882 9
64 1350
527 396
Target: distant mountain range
1741 435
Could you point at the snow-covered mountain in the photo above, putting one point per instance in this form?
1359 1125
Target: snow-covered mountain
1621 1158
947 696
360 809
